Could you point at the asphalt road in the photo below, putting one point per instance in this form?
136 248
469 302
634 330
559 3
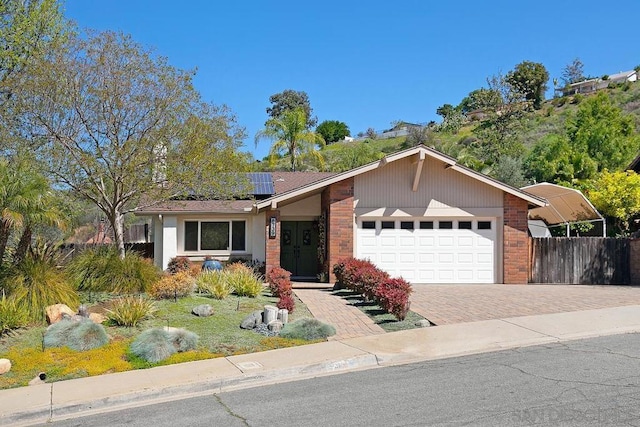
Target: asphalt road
576 383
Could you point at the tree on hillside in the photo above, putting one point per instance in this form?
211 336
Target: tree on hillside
480 99
604 132
333 130
452 118
530 79
290 136
617 195
573 72
289 100
121 128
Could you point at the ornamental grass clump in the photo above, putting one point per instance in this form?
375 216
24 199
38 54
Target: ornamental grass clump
12 315
176 285
243 280
214 283
101 269
130 310
157 344
307 329
77 335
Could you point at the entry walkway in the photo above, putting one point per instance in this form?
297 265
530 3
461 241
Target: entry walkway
348 320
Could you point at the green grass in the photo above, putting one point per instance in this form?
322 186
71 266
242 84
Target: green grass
386 321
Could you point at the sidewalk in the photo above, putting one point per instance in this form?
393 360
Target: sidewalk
67 399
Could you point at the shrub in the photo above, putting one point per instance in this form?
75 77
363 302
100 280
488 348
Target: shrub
307 329
102 270
286 301
157 344
77 335
279 281
359 275
177 285
182 339
128 311
12 314
153 345
215 283
37 283
393 296
243 281
178 264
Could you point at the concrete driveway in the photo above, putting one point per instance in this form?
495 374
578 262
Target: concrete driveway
447 304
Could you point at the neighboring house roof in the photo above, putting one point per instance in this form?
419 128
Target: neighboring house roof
635 164
566 205
421 151
623 75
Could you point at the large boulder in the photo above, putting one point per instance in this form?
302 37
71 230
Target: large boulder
56 312
252 320
5 366
202 310
97 317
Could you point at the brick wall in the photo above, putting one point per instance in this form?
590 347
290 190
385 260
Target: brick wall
273 245
337 202
516 253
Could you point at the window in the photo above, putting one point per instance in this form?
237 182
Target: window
215 236
484 225
368 225
426 225
388 224
406 225
445 225
464 225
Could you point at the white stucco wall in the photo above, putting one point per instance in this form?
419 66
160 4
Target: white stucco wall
169 239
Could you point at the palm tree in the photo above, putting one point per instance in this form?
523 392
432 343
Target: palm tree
26 199
290 136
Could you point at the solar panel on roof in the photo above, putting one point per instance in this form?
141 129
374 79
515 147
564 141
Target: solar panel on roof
262 183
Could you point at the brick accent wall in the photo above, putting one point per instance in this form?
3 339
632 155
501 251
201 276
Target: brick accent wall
634 261
515 240
273 245
337 202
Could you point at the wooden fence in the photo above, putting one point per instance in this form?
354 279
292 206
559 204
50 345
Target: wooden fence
580 260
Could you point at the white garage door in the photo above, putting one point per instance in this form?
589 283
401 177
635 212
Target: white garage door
430 250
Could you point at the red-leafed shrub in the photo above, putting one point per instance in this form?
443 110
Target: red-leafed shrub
393 296
279 281
286 301
178 264
347 272
368 278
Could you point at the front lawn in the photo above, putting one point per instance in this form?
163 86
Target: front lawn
220 335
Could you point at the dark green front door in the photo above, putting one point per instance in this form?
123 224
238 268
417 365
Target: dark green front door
299 248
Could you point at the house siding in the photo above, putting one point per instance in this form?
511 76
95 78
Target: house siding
438 192
337 202
516 253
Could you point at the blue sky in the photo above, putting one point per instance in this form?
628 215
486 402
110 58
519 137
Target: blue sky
365 63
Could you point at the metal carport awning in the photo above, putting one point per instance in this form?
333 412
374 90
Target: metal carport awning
566 206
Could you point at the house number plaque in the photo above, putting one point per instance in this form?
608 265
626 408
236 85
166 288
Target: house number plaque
272 227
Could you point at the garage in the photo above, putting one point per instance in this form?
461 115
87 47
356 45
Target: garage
431 250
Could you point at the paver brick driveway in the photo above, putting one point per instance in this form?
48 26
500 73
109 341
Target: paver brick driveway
445 304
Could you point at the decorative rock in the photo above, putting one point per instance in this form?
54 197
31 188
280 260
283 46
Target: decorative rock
424 323
270 314
82 311
55 313
5 366
202 310
283 316
251 320
97 317
275 326
39 379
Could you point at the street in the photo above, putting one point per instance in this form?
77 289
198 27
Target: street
586 382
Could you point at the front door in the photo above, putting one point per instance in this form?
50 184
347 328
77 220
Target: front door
299 248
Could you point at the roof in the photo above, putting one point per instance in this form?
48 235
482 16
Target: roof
566 205
421 151
622 75
291 186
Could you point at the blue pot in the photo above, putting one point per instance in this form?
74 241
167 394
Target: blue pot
211 265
